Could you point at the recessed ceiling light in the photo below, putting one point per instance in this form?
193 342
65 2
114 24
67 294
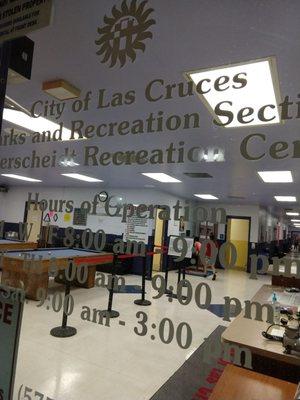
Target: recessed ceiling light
161 177
82 177
295 220
292 213
260 76
206 196
69 163
276 176
21 178
212 154
39 124
285 198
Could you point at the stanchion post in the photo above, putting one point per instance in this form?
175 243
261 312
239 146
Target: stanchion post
149 277
110 312
179 272
167 291
142 301
183 270
174 295
64 330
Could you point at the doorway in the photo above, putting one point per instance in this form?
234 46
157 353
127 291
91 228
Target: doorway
160 230
238 233
34 216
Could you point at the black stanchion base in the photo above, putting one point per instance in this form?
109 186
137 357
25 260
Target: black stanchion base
60 331
111 313
141 302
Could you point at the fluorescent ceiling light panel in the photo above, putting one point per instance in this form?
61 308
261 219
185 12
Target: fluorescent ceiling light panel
292 213
161 177
39 124
295 220
276 176
285 198
262 88
206 196
21 178
212 154
69 163
82 177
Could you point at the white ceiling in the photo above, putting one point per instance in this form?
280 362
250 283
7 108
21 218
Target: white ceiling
188 35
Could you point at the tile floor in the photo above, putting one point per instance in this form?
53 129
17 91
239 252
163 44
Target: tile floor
109 363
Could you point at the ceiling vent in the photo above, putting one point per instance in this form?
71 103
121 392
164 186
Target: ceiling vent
197 175
236 197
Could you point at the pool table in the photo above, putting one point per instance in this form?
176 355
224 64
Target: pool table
14 245
34 274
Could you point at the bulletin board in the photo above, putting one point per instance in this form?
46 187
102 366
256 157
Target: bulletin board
80 217
136 229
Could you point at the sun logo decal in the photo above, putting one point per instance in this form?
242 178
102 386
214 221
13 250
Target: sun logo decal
124 32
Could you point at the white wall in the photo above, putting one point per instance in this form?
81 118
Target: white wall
251 211
12 206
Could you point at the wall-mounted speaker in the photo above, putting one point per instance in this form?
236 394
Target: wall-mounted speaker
20 63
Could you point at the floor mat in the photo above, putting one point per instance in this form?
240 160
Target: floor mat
129 289
198 273
196 378
218 310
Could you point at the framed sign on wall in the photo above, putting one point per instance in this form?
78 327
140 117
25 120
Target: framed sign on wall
80 216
